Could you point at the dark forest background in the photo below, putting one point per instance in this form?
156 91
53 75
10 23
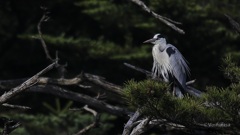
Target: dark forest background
98 36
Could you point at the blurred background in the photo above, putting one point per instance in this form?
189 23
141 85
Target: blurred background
97 37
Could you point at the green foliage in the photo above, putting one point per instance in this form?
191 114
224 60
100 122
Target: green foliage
230 67
58 110
154 99
69 123
138 94
216 105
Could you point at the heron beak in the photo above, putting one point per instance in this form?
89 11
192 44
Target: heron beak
150 40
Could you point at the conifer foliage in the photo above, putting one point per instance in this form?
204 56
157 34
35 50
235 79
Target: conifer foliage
217 109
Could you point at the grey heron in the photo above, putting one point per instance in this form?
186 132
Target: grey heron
169 64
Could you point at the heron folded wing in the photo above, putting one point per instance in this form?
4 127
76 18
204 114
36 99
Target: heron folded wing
179 67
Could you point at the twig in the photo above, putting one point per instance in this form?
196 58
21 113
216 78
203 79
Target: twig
190 82
9 125
148 73
165 20
28 83
61 68
43 19
93 124
16 106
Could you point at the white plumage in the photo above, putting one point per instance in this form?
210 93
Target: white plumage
169 64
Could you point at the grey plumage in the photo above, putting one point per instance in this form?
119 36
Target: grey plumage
169 64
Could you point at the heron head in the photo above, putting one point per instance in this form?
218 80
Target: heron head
156 38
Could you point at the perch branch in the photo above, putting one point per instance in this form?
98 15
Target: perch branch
165 20
190 90
130 124
141 127
28 83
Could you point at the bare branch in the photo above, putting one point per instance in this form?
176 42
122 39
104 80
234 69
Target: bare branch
93 124
16 106
28 83
98 80
8 84
130 124
141 127
61 68
87 128
95 79
43 19
112 91
148 73
190 82
85 99
9 125
165 20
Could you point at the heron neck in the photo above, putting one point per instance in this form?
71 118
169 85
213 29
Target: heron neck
162 45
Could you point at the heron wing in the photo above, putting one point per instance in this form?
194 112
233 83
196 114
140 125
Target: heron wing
178 64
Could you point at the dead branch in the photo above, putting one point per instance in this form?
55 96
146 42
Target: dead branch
95 79
146 72
98 80
141 127
94 103
93 124
43 19
16 106
8 125
28 83
8 84
130 124
165 20
61 68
